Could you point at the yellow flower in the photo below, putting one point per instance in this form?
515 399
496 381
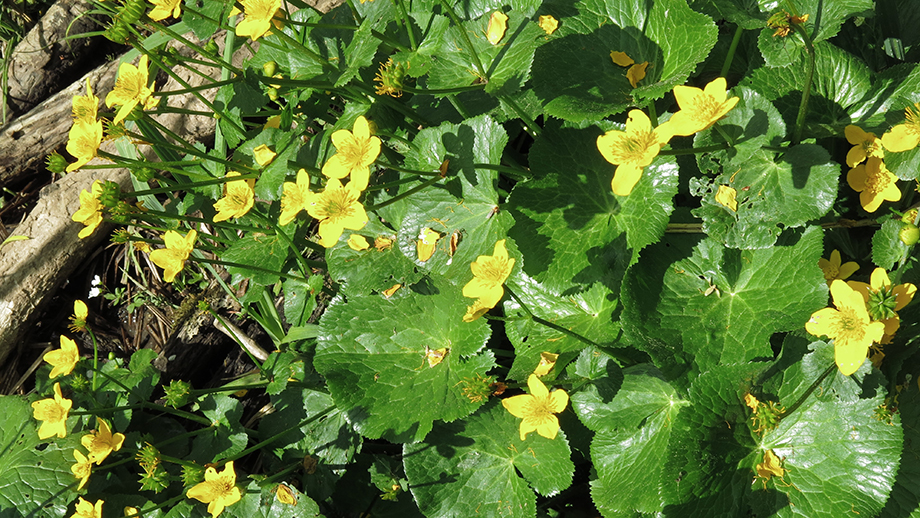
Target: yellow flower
848 325
263 155
489 273
358 243
834 270
295 198
284 495
82 469
538 408
131 511
355 152
498 24
884 300
427 241
258 17
78 319
54 414
547 362
142 246
102 442
172 258
83 142
130 90
218 489
865 144
64 359
549 24
337 208
906 135
238 198
85 106
700 109
874 183
90 211
163 9
636 73
631 150
726 197
88 510
621 58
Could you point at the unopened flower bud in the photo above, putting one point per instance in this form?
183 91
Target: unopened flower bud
909 234
269 68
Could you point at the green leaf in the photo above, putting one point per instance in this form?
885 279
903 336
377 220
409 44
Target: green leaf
31 478
771 195
779 51
631 441
905 495
329 437
226 438
671 312
577 80
589 314
471 466
202 20
262 503
296 65
374 354
371 271
572 197
825 18
259 250
887 248
300 299
840 456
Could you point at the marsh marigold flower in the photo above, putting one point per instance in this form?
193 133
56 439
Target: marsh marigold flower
884 300
88 510
62 360
82 469
85 107
101 442
238 198
83 142
538 409
498 24
848 325
163 9
355 151
904 136
172 258
631 150
53 412
257 19
865 144
548 23
874 183
700 109
834 270
78 319
131 89
337 208
218 489
489 273
295 198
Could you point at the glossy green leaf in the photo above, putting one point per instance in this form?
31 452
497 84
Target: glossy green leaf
771 195
576 78
373 352
372 270
33 480
226 438
265 252
476 465
263 503
887 248
718 305
632 428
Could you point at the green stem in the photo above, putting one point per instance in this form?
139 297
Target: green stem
458 105
400 196
186 186
235 388
283 473
652 113
302 49
215 84
193 219
402 10
301 261
169 503
95 359
529 124
806 91
513 171
736 39
146 406
444 91
810 389
404 170
694 150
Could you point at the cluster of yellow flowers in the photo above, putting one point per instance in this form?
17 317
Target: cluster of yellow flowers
864 315
637 147
872 180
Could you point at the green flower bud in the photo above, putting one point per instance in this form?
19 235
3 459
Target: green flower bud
910 217
909 234
56 163
269 68
111 193
211 47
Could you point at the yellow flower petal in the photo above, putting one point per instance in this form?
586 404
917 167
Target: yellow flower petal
621 58
82 469
726 197
904 136
218 489
172 258
263 155
355 151
295 198
700 109
257 19
358 243
64 359
88 510
537 409
101 442
130 88
53 412
636 73
548 23
498 24
874 183
164 9
426 243
547 362
337 208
